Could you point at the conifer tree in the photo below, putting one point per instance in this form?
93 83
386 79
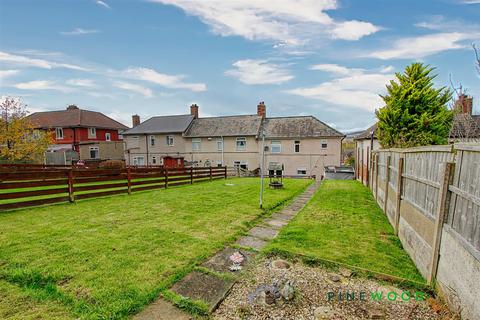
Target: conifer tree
415 113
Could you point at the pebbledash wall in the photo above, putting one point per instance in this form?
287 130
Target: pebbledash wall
431 196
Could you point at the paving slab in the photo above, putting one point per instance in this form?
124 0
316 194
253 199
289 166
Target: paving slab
161 310
252 242
221 262
263 233
283 216
206 287
276 223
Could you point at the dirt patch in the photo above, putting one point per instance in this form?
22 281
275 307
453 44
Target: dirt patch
321 294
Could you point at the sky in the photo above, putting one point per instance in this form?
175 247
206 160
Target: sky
326 58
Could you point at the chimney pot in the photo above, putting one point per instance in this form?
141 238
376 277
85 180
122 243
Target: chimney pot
135 120
261 109
194 111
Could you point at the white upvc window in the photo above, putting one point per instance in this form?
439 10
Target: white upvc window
170 141
152 140
241 144
59 133
220 145
196 144
138 161
302 171
324 144
94 153
92 132
297 146
240 164
108 137
276 147
154 160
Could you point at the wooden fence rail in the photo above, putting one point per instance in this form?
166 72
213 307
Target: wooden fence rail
37 186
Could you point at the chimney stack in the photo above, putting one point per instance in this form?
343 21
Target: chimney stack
261 109
464 104
194 111
135 120
72 107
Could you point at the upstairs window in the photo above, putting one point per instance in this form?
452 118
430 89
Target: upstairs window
59 133
196 144
169 141
324 144
219 145
107 137
241 144
297 146
276 147
92 132
152 140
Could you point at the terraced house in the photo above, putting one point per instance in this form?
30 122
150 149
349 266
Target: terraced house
303 144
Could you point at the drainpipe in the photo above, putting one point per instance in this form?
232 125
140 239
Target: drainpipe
146 143
262 168
223 148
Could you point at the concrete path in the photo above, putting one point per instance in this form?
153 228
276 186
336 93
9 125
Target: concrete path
213 286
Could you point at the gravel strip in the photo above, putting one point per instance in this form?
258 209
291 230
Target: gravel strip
312 284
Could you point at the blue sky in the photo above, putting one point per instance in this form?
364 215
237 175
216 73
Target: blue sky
327 58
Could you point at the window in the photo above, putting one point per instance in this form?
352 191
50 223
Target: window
138 161
324 144
107 137
241 144
302 171
276 147
59 133
94 153
196 144
219 145
219 163
152 140
240 164
154 160
92 132
297 146
169 141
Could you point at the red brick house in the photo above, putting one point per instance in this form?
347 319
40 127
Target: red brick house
92 135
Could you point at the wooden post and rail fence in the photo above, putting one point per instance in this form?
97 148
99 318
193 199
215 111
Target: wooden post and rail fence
431 196
30 185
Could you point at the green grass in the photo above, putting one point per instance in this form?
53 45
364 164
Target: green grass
107 258
343 223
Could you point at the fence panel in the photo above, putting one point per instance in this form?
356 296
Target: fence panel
23 186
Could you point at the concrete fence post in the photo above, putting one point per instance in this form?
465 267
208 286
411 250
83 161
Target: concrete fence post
387 181
399 194
446 174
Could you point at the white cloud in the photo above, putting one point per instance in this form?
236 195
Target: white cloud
353 30
103 4
41 85
335 69
79 32
8 73
88 83
471 1
290 22
165 80
422 46
34 62
387 69
259 72
360 90
146 92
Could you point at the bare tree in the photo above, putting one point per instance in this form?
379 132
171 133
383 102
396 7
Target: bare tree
477 57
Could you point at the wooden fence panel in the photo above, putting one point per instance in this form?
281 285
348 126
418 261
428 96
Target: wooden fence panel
22 186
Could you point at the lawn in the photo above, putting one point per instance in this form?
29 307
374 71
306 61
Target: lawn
106 258
343 223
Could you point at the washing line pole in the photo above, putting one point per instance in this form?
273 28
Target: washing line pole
262 168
